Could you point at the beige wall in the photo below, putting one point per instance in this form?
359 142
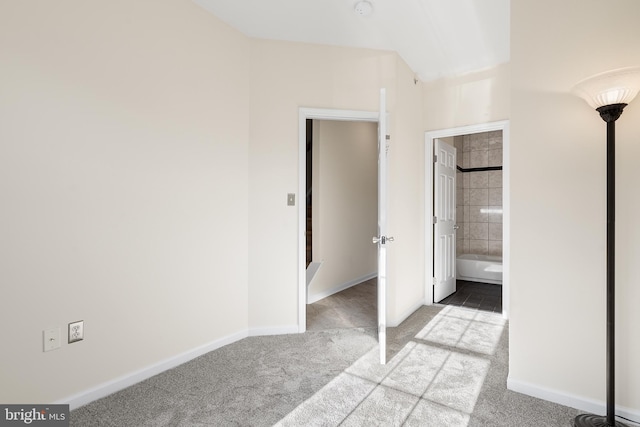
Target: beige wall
476 98
345 204
123 157
557 326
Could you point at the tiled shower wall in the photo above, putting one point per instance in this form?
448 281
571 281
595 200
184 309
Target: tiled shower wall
479 194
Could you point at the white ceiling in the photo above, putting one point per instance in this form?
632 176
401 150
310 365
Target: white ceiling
436 38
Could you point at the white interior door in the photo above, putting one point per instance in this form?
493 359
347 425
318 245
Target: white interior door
382 239
445 226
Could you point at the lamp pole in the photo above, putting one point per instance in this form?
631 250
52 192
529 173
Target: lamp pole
609 114
608 93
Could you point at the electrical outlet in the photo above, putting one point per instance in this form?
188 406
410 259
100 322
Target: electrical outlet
76 331
51 339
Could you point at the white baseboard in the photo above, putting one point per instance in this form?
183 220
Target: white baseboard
407 313
321 295
117 384
582 403
274 330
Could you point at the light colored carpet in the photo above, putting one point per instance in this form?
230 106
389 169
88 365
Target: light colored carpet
422 383
447 367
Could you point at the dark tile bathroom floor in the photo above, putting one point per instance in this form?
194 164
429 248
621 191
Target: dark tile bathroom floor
482 296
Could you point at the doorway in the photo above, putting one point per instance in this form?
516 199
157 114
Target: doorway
457 134
342 215
304 115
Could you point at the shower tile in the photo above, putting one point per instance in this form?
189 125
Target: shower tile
480 247
465 180
465 230
480 197
495 231
466 196
495 157
479 159
466 159
479 231
467 246
460 197
495 139
495 247
459 214
466 210
478 214
495 197
495 179
479 180
459 181
466 143
495 214
480 141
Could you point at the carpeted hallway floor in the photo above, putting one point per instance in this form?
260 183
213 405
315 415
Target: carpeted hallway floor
447 367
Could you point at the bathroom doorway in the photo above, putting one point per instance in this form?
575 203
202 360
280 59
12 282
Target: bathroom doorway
482 215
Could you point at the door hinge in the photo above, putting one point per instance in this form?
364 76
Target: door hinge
435 281
435 158
434 220
388 137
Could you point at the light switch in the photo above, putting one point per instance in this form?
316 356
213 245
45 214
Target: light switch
291 199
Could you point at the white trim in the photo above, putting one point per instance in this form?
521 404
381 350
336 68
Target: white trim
122 382
582 403
303 115
273 330
405 315
321 295
506 214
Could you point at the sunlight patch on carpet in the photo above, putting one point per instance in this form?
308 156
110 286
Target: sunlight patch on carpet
466 329
421 385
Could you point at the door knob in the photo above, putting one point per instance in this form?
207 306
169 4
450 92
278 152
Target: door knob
382 239
455 227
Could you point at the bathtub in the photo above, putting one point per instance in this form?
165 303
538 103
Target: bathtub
479 268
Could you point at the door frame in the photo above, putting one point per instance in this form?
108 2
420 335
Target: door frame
430 136
314 114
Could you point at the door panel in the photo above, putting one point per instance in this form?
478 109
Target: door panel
445 227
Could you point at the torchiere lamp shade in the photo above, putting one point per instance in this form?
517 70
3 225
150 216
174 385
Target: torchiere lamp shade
609 88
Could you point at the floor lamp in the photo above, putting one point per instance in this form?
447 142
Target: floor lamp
609 93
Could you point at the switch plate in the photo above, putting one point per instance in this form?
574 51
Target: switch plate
76 331
51 339
291 199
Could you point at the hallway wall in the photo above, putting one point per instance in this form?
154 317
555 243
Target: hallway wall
345 204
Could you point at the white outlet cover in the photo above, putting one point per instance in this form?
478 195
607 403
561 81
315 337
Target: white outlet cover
76 331
51 339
